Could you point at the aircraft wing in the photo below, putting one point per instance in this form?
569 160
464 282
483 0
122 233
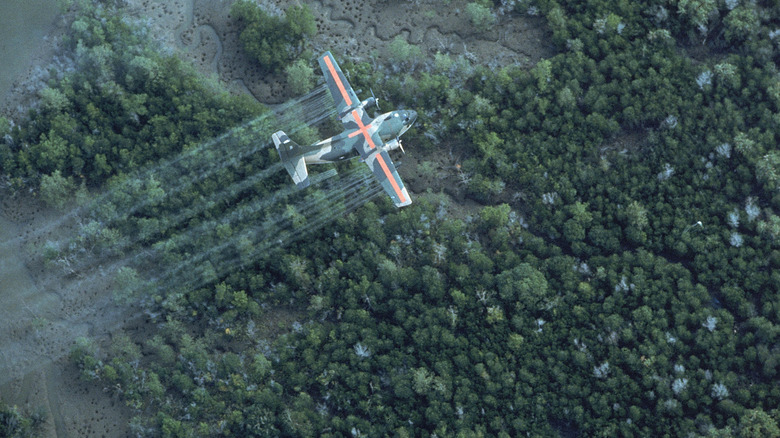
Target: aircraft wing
384 169
340 89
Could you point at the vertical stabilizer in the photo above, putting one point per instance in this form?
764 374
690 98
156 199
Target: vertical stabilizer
292 158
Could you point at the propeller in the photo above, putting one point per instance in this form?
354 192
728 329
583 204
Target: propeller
376 101
400 145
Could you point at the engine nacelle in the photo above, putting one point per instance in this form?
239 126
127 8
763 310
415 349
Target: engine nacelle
368 103
392 144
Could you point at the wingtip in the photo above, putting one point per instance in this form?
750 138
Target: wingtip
407 199
326 54
278 138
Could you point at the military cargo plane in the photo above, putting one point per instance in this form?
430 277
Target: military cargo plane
370 137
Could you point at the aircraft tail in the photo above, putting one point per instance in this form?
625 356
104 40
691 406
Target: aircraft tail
292 158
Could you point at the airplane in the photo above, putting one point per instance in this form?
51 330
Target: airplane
371 137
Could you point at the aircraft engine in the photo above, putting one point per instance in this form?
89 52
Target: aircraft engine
392 144
368 103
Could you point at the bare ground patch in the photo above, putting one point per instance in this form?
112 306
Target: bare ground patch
43 309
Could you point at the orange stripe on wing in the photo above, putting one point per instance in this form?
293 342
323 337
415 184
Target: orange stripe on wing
336 78
391 178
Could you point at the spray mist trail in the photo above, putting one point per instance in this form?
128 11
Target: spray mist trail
244 215
221 264
271 231
258 219
70 300
225 151
123 206
167 180
164 181
307 110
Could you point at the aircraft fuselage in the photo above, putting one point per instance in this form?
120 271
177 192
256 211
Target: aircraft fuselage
389 126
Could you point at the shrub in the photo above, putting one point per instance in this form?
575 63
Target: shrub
481 16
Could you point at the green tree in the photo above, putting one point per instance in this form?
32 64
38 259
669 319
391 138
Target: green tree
522 285
482 18
768 170
301 22
401 51
56 190
127 284
741 23
274 41
16 423
542 71
494 217
575 228
637 215
300 77
756 423
697 11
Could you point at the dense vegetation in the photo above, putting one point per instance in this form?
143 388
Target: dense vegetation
275 42
621 279
15 424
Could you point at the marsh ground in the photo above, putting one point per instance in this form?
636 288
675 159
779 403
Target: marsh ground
202 31
43 310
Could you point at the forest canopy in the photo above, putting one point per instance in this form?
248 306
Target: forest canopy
618 278
274 42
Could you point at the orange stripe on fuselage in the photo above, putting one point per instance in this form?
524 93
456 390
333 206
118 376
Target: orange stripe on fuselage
391 178
362 129
336 78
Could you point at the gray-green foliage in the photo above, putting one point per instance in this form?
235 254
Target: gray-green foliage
5 127
442 62
273 41
697 11
127 284
402 51
482 18
300 76
18 423
56 190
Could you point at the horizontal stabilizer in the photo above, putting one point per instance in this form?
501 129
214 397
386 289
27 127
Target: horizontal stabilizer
292 158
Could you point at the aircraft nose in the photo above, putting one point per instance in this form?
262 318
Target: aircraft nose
412 117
